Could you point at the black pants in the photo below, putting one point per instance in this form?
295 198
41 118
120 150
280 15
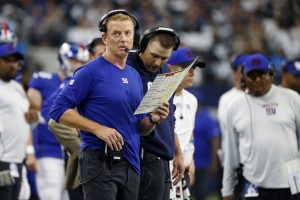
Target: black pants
107 180
274 194
11 192
155 178
76 194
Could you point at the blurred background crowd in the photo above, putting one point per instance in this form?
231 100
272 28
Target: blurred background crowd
214 29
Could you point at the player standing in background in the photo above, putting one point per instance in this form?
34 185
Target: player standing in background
50 177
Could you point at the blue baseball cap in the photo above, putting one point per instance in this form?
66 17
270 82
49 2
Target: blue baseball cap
257 61
238 61
8 49
292 67
184 57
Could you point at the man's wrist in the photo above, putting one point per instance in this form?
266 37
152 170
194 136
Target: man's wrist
30 149
151 120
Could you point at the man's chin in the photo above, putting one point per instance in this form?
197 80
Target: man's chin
11 76
8 78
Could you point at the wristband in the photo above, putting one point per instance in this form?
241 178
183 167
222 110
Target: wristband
151 121
29 149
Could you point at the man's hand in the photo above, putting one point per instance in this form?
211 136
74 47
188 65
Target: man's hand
161 113
111 136
178 169
191 168
31 163
32 116
229 197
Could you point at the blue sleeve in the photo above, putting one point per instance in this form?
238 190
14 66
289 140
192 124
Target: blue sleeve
36 81
76 91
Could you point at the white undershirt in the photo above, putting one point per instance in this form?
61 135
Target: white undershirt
186 108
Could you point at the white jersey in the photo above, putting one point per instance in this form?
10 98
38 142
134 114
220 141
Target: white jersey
186 108
262 135
225 101
14 130
185 113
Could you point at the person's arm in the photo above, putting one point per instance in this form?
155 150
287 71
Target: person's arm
35 98
178 164
30 155
148 124
231 159
215 145
65 135
191 167
33 116
111 136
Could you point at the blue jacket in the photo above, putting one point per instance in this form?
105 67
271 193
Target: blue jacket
161 141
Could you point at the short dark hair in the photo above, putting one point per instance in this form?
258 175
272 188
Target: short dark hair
166 40
93 43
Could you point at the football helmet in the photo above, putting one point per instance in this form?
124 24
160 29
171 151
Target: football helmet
71 50
6 34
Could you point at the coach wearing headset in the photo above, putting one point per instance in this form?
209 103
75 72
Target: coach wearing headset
263 135
106 92
291 75
160 147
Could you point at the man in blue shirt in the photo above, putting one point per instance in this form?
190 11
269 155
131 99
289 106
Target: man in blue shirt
207 142
291 75
50 176
161 146
68 137
106 92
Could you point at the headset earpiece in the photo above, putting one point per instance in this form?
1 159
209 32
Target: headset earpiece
243 81
102 24
159 29
273 70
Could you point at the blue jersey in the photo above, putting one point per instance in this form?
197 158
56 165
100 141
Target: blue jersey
161 141
206 128
45 111
108 95
45 143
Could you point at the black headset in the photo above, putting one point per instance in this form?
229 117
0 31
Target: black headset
272 73
159 29
102 25
243 81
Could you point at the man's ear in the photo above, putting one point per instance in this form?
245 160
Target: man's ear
103 37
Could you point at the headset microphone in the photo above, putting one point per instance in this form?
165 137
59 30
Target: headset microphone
131 50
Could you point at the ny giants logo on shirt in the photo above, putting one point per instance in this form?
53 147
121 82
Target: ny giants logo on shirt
125 80
270 108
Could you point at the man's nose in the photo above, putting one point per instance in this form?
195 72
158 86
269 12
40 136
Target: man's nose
158 62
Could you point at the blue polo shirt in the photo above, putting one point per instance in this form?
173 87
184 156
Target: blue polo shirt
106 94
